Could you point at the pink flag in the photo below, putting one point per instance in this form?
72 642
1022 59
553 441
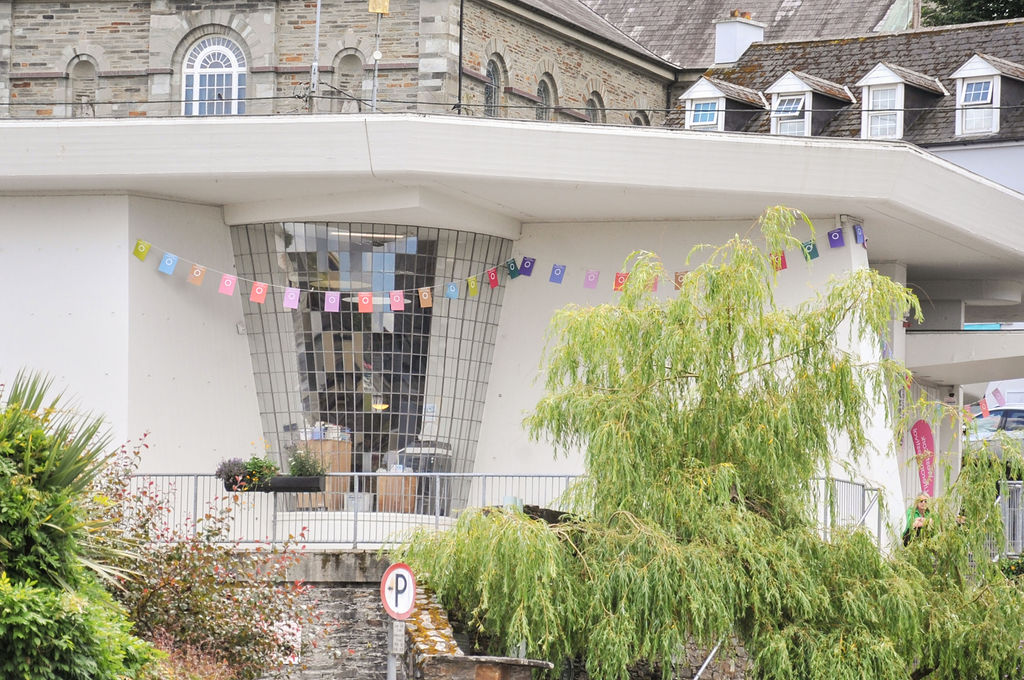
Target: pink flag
654 285
620 280
778 260
291 298
590 280
366 302
227 284
259 293
397 300
984 408
924 451
998 396
332 301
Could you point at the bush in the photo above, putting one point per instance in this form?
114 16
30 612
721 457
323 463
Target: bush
305 463
199 591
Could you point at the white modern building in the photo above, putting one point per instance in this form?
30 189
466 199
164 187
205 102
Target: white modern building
399 207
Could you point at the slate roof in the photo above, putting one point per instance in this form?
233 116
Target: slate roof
683 32
579 15
933 52
740 93
919 80
827 87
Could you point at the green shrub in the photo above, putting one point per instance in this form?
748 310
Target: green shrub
305 463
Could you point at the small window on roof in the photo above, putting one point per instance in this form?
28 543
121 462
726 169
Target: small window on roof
705 114
882 117
788 116
977 112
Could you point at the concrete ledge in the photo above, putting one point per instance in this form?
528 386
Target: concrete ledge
340 566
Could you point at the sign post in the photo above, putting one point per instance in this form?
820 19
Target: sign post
398 595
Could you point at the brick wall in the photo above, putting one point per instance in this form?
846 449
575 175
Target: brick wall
528 50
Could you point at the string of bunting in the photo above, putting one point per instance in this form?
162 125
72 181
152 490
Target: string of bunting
396 298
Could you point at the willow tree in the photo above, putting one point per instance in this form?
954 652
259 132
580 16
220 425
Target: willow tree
703 420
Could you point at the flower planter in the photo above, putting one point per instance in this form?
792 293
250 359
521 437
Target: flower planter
298 484
282 483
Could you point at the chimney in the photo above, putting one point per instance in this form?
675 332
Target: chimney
734 35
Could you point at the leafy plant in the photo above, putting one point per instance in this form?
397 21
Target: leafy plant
201 593
702 420
244 475
305 463
231 471
258 471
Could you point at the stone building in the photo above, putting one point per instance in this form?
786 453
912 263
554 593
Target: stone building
533 59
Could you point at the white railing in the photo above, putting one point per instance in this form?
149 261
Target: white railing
371 510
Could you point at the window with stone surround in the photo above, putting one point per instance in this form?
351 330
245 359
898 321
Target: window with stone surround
492 89
595 108
214 78
82 84
547 99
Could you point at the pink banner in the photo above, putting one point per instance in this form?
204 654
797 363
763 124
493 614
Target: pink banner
227 284
924 451
998 396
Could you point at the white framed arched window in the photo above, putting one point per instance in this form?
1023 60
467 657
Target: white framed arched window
214 78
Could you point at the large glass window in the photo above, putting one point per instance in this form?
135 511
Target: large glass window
214 78
403 383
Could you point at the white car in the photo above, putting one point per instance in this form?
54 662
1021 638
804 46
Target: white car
1008 419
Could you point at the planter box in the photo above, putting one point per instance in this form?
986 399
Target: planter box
298 484
284 483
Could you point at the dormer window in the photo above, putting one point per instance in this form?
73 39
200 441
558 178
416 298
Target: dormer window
892 97
788 115
703 115
977 114
713 104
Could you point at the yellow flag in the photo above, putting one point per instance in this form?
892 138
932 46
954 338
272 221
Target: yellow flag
141 249
473 286
379 6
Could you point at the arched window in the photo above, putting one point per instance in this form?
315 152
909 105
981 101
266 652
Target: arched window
348 79
595 108
82 88
492 89
214 82
547 98
640 118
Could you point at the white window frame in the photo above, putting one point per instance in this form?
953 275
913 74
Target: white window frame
869 114
229 82
965 110
802 113
718 114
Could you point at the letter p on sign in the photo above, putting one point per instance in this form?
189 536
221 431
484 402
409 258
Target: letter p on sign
398 591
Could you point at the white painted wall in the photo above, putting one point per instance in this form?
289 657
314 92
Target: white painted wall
148 351
999 163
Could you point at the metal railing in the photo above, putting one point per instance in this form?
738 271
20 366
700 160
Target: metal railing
1010 497
371 510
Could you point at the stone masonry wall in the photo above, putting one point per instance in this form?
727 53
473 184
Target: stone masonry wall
528 51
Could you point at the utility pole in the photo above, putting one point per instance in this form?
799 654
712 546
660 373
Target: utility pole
314 70
378 7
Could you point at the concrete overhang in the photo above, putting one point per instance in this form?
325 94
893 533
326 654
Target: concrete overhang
965 357
494 175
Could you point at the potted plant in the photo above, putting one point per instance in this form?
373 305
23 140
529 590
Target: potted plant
306 472
254 474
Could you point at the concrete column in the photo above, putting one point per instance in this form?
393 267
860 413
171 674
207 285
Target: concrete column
897 271
6 31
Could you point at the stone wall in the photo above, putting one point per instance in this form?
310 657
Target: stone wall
526 51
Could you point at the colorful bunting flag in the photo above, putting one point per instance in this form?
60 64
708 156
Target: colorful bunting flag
526 266
778 261
810 250
426 298
258 294
365 302
835 238
512 267
141 249
858 233
591 277
998 396
451 291
332 301
227 284
654 285
557 273
196 275
620 280
677 279
397 299
473 286
167 263
492 277
291 298
984 407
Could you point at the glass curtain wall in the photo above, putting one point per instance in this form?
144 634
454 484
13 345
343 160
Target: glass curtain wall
371 389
